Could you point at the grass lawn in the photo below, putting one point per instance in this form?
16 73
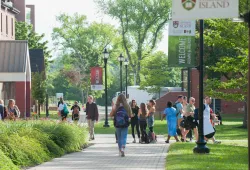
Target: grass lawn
231 154
160 128
221 157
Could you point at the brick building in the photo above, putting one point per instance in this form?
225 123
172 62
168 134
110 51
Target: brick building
15 73
224 106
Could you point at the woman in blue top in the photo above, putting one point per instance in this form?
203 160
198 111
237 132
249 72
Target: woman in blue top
170 114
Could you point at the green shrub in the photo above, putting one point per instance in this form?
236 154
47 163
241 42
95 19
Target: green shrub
27 143
6 163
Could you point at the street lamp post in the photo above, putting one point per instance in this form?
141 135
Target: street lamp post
105 57
126 67
201 143
121 59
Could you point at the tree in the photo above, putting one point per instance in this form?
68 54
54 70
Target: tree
81 45
38 88
157 74
226 50
24 31
141 25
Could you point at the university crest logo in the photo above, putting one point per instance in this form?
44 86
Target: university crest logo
175 24
188 4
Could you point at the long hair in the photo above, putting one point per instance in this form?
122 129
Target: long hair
143 109
122 100
131 105
153 102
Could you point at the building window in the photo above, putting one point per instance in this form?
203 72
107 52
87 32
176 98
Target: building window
7 25
1 22
12 27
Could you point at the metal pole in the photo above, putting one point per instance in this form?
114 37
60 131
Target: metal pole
188 83
248 93
47 105
121 77
201 143
106 96
126 66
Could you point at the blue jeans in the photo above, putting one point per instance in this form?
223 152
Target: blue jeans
122 136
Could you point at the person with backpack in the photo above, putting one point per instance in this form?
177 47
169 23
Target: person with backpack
121 113
190 122
12 110
143 114
135 121
151 120
92 116
170 114
75 111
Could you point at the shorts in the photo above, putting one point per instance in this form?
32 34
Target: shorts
190 123
179 116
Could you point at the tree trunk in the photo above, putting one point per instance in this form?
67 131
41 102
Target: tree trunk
39 109
245 115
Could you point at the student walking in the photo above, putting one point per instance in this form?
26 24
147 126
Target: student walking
170 114
75 111
135 121
143 114
121 113
92 116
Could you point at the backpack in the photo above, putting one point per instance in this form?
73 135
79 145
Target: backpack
121 119
196 112
76 110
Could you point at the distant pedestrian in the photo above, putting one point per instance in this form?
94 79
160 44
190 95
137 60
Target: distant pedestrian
113 104
75 111
143 114
190 122
209 131
3 112
92 116
121 112
179 113
135 121
151 119
62 109
170 114
12 110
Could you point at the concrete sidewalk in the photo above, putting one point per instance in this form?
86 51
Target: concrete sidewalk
103 154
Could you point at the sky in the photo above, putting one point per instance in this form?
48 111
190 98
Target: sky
47 10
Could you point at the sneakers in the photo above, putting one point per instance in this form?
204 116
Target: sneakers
134 141
217 142
122 152
167 141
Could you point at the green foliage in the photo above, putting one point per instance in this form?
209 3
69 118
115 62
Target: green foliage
234 86
141 25
38 87
157 74
28 143
82 46
24 31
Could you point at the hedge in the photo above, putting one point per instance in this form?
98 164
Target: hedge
29 143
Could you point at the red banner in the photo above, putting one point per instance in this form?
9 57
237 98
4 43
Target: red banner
96 78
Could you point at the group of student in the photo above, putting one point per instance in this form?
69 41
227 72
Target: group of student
182 116
125 113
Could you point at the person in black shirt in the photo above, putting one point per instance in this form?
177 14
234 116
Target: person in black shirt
135 121
75 111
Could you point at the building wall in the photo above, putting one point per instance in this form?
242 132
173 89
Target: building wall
21 97
7 25
20 5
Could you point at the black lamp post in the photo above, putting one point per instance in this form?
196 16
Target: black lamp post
201 143
121 59
105 57
126 67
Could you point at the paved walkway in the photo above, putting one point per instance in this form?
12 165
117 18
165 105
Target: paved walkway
103 154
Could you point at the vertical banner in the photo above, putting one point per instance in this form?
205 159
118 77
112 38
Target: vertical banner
204 9
96 78
181 45
181 51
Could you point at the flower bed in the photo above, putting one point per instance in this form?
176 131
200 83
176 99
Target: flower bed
28 143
